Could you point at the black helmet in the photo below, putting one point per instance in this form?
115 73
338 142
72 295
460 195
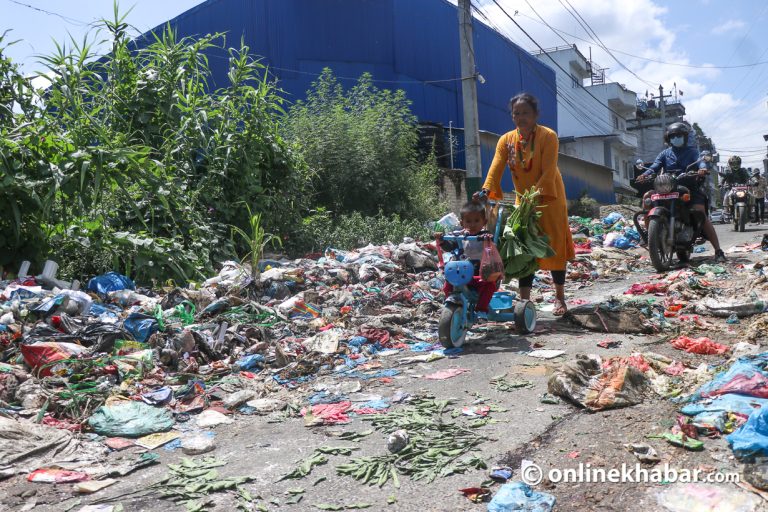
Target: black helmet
734 162
677 129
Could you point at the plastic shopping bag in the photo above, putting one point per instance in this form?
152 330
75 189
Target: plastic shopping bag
491 267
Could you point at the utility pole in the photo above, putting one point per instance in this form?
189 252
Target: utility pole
469 99
663 107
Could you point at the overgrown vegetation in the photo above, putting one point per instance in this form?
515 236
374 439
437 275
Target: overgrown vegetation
367 182
133 162
584 207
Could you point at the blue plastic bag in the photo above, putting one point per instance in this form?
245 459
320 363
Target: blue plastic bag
752 437
252 362
519 497
140 326
632 234
612 219
110 282
622 243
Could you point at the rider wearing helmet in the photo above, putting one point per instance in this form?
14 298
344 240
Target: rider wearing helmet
731 176
675 160
734 174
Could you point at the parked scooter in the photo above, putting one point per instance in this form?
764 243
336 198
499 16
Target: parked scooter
672 226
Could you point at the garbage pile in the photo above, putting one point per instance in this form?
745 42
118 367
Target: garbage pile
613 230
129 364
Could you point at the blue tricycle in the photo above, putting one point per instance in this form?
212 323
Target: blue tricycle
458 314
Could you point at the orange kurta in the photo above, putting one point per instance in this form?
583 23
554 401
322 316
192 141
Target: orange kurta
543 174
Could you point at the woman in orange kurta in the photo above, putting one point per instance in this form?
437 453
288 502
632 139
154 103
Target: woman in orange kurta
530 151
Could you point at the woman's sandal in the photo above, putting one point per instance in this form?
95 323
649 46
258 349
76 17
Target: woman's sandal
560 308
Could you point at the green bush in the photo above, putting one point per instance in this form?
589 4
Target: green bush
361 147
350 231
131 163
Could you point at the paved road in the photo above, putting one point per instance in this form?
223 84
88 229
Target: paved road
528 429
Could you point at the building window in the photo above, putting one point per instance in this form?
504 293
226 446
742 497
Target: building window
615 122
616 164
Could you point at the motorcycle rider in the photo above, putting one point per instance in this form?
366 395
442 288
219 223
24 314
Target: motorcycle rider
675 160
732 175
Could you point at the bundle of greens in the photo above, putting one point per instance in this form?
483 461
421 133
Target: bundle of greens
522 242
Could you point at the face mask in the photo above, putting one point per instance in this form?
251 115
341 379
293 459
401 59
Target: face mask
677 141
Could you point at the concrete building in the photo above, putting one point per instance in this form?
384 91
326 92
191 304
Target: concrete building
593 114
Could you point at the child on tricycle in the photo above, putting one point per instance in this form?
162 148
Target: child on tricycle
473 223
472 278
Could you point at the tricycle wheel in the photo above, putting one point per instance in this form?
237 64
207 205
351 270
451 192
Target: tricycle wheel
525 317
453 327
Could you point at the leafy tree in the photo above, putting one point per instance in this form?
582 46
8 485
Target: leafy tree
361 147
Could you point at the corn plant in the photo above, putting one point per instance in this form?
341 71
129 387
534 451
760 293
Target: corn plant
256 240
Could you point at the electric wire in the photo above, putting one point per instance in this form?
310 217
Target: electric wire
600 43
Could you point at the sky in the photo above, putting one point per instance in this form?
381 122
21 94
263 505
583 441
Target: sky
716 52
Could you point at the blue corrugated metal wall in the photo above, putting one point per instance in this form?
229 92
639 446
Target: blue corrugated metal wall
402 43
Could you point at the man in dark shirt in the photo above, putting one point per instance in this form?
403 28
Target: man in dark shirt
675 160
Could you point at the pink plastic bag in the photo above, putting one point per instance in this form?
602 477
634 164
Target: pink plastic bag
491 266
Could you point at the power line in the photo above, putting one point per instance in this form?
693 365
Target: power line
648 59
578 17
547 24
551 58
572 104
72 21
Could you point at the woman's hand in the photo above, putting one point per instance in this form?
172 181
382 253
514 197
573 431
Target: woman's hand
480 195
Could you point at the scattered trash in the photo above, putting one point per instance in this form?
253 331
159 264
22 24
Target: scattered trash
130 419
680 440
153 441
516 496
751 439
211 418
501 474
397 440
644 452
699 345
446 374
502 384
93 486
606 343
546 353
197 444
597 385
56 476
476 494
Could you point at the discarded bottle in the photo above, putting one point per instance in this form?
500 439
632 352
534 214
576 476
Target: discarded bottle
733 319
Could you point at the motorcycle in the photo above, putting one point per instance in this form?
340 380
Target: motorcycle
673 226
741 206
